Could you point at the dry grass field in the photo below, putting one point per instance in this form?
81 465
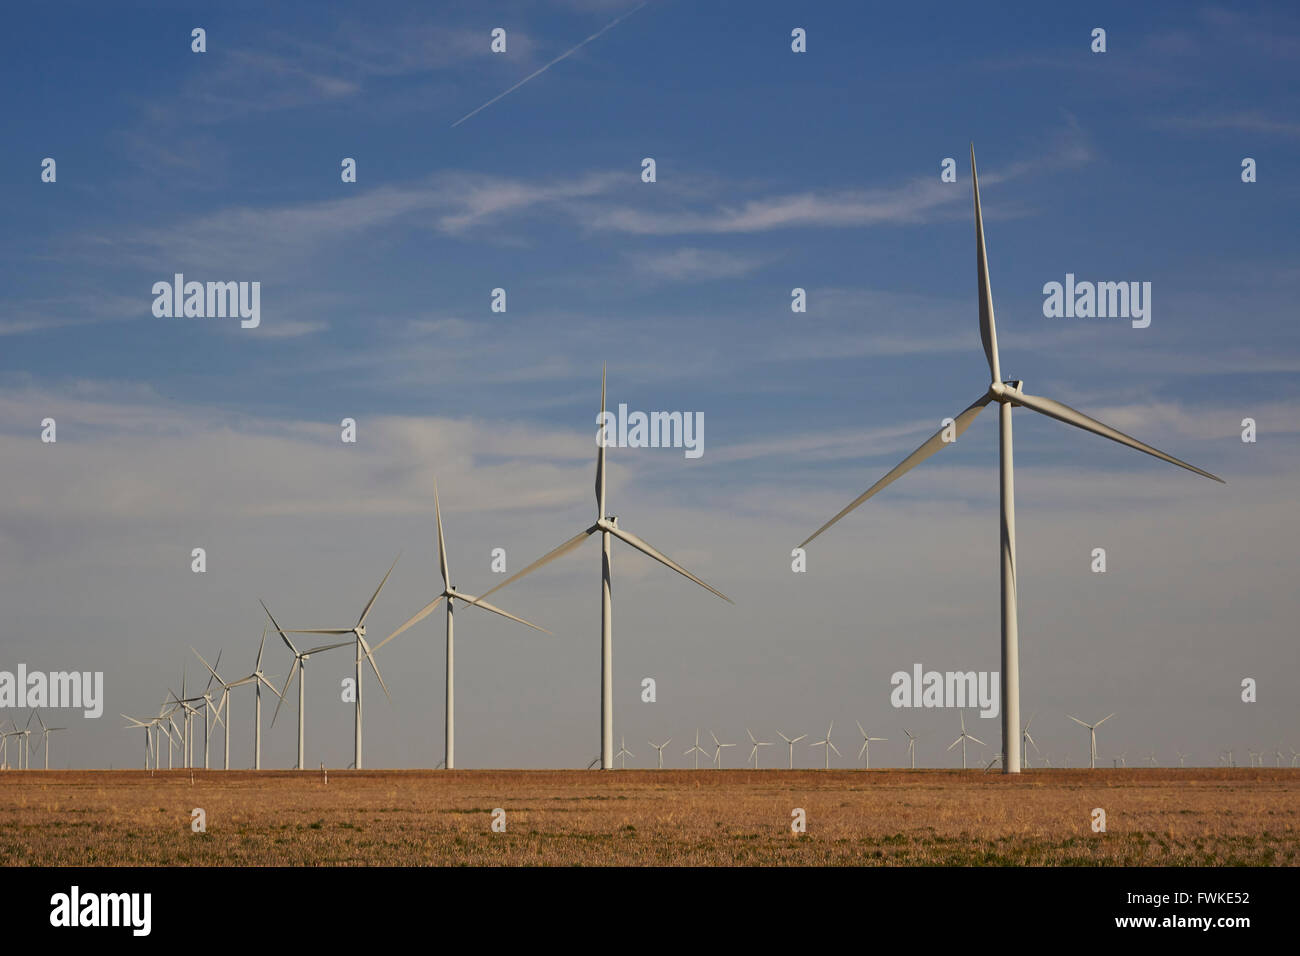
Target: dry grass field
646 817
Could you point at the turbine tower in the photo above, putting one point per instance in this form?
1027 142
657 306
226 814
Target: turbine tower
46 731
866 746
1007 394
452 596
965 737
1092 733
791 742
911 746
257 679
223 705
607 525
364 653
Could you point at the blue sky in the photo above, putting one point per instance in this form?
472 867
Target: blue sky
775 170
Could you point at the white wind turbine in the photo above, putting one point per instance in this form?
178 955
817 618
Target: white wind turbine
258 680
1007 394
45 737
452 596
146 726
223 705
717 750
608 527
623 753
866 746
828 745
358 632
753 753
660 749
1027 741
911 747
697 750
965 737
4 748
298 667
791 742
1092 733
1182 757
1152 758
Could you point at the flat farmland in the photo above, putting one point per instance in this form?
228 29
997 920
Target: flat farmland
1154 816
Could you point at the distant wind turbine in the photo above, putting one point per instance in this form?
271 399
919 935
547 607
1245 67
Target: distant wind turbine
623 753
866 746
911 747
1026 742
609 529
697 750
46 731
791 741
299 668
660 749
1092 737
962 738
717 750
1008 395
828 745
753 753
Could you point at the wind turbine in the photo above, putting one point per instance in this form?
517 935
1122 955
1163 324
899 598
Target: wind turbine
257 679
4 748
46 731
965 737
1123 759
358 631
717 750
623 753
1152 758
224 704
791 742
452 596
753 753
697 750
660 749
299 667
1026 739
27 740
911 747
1092 732
1182 757
608 527
866 746
148 739
828 745
1007 394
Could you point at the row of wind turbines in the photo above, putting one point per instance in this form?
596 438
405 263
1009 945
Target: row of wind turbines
23 741
1006 393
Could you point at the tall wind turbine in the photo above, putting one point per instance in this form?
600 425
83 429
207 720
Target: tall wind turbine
223 705
791 741
911 746
1007 394
866 746
717 750
607 525
452 596
753 753
258 680
962 740
358 632
299 667
697 750
660 749
1092 733
828 745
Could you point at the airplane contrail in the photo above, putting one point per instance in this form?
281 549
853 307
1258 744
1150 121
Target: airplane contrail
543 69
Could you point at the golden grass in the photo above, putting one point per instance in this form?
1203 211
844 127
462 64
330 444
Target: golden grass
1162 817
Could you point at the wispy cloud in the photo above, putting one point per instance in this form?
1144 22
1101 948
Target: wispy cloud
693 265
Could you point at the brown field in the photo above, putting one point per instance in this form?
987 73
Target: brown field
1162 817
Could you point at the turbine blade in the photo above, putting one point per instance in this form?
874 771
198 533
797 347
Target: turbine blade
293 669
1103 720
988 328
283 636
442 544
602 438
375 596
833 747
326 647
370 656
319 630
419 616
496 610
1064 413
977 740
547 558
1077 721
645 548
931 445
